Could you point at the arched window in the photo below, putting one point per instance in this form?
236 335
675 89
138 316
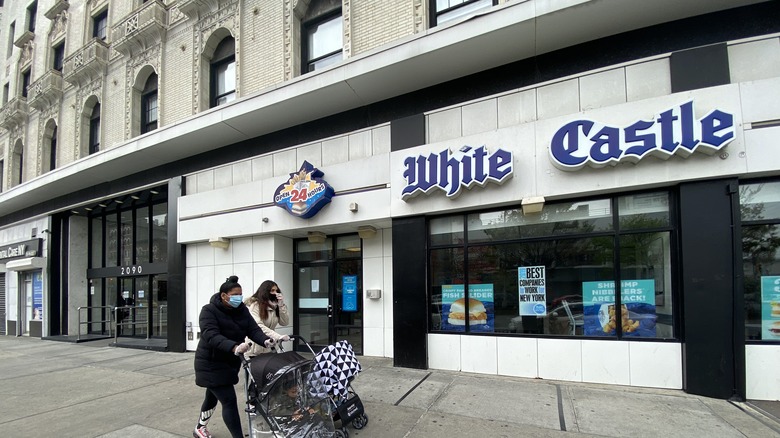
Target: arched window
322 41
149 105
94 129
17 164
53 150
49 149
223 73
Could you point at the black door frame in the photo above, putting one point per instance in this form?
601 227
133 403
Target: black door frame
331 311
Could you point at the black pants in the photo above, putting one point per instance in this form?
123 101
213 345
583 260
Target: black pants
227 397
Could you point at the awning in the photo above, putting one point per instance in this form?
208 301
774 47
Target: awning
25 264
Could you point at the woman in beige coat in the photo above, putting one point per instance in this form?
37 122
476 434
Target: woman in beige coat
268 308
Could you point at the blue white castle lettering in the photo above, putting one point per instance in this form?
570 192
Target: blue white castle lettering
674 131
451 172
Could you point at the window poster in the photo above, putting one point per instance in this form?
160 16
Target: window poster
637 309
532 290
37 284
349 293
480 308
770 308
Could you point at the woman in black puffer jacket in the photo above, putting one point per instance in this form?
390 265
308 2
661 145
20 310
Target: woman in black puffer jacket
224 322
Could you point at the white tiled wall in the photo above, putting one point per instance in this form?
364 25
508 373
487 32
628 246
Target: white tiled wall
754 60
647 364
761 376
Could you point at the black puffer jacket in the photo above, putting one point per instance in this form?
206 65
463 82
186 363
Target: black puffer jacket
221 329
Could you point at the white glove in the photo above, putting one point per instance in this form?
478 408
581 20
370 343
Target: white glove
284 338
241 348
269 343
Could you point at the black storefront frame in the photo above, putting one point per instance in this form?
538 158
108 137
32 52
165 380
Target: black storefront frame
137 268
332 264
672 229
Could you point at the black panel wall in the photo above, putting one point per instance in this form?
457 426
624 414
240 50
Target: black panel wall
410 303
701 67
707 268
177 336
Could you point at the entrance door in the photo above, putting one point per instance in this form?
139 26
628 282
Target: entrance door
143 305
25 303
328 292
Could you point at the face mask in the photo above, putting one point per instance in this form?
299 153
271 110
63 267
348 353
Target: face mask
235 300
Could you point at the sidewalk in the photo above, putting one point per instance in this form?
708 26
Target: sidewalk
91 390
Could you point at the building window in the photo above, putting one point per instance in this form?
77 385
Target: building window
11 31
32 11
99 25
53 150
223 73
19 166
58 55
322 41
25 82
2 174
554 272
94 129
446 10
760 213
149 105
6 87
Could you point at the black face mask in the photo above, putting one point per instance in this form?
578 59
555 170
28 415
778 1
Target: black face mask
271 297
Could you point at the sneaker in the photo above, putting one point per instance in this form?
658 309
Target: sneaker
201 432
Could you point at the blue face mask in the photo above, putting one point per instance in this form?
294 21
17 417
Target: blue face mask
235 300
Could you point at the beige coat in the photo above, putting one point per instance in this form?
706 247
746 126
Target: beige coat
267 324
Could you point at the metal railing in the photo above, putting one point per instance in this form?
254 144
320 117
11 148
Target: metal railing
109 321
162 309
132 321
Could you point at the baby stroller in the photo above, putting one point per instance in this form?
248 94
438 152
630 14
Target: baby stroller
284 391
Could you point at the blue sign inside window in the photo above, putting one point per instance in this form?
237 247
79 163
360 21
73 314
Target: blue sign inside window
349 293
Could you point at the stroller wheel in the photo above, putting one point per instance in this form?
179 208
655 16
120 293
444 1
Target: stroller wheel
360 422
341 433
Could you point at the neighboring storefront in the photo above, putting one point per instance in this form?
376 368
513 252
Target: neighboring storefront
23 261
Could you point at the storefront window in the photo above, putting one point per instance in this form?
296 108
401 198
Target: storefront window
97 243
554 272
556 219
112 241
760 212
160 232
127 238
142 235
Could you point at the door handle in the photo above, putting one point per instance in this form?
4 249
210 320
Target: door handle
330 311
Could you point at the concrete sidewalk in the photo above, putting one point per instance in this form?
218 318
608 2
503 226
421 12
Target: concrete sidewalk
92 390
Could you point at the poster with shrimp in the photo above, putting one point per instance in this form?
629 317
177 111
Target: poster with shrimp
636 313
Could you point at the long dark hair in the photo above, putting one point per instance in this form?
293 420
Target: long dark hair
264 296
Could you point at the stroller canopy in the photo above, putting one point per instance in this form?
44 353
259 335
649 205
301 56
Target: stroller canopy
265 366
336 365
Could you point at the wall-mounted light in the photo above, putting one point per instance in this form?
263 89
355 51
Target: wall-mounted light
135 197
532 205
366 231
219 242
316 237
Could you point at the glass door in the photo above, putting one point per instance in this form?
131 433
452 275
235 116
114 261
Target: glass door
328 292
314 305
